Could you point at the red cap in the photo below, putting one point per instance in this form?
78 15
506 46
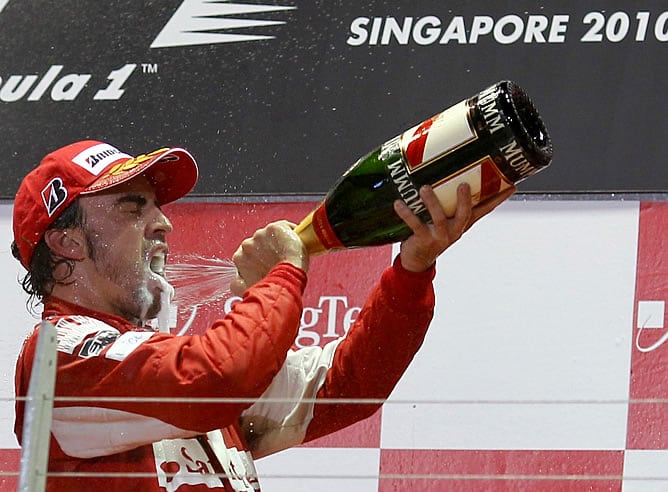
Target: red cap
87 167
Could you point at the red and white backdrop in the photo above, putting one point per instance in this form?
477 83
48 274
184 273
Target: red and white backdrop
544 369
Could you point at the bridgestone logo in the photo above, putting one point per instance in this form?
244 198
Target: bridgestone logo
98 157
199 22
54 195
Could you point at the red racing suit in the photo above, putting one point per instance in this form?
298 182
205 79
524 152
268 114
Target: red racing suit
148 415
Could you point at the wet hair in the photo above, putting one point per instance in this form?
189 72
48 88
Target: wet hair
40 280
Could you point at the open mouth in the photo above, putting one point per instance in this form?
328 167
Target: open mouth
157 264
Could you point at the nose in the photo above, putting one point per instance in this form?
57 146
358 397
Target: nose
160 225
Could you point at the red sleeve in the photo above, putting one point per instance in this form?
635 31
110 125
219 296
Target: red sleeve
377 349
237 357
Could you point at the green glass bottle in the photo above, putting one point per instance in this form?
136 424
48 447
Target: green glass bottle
491 141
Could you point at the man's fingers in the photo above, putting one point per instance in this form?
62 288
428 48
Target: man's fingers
407 215
462 217
465 214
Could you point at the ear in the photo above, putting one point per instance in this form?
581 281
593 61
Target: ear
68 243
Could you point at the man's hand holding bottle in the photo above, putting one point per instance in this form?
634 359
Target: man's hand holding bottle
428 241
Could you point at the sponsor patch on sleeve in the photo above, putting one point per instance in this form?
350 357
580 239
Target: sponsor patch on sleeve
126 343
92 347
73 330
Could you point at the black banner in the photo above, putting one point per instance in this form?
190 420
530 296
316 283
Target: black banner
280 97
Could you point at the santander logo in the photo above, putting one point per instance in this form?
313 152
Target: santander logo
652 332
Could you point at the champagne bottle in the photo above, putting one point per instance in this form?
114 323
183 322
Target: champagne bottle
491 141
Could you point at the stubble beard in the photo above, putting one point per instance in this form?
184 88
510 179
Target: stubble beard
138 304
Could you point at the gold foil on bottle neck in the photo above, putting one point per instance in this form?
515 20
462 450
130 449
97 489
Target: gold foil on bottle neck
307 234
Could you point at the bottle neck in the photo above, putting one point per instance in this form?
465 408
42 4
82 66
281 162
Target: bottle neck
307 234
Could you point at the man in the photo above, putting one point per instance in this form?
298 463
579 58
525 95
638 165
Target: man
139 409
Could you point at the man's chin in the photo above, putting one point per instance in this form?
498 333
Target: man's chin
158 292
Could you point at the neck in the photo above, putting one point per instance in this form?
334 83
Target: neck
78 293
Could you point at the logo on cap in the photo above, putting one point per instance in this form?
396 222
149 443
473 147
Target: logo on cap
54 195
94 159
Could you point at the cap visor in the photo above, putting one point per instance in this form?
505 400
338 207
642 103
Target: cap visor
172 171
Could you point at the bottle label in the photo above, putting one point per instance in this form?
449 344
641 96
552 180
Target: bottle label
324 230
398 170
440 135
482 176
517 166
517 162
437 136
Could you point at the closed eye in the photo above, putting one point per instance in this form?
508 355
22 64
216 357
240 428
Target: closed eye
133 204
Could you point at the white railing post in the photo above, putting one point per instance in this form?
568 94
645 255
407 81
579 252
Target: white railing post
38 411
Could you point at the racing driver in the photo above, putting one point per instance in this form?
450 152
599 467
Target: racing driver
138 409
